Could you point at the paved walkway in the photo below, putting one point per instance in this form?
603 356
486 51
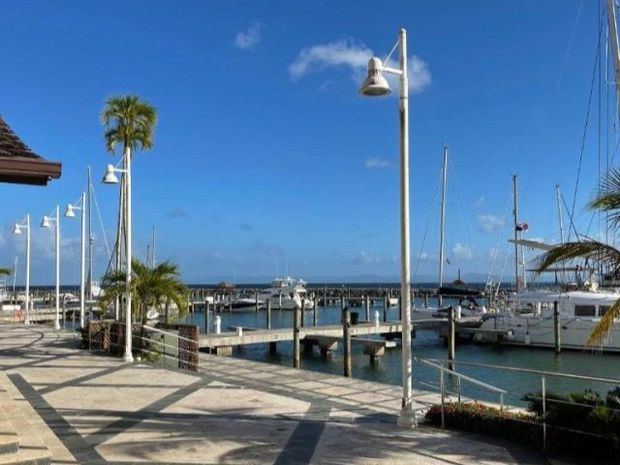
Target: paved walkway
91 409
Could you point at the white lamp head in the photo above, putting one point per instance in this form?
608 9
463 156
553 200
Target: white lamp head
70 212
17 229
375 84
46 222
110 175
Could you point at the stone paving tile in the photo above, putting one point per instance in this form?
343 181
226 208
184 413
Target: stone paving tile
233 411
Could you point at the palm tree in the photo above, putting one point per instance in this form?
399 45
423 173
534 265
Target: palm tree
151 288
129 123
595 252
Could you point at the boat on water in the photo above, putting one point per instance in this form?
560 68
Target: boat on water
286 294
528 319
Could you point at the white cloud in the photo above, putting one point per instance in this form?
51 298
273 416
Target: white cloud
377 163
480 201
490 223
462 251
249 39
355 56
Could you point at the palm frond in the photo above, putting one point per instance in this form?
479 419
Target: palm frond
129 122
608 197
601 331
597 252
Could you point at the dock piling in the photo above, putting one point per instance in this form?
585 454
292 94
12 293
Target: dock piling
451 337
367 304
256 300
314 311
346 333
296 338
269 314
207 317
556 328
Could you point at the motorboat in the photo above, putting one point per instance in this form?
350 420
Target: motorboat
286 294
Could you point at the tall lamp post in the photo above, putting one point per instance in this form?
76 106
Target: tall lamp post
19 227
70 213
47 223
376 85
111 178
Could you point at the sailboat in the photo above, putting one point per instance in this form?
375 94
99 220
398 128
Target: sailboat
528 318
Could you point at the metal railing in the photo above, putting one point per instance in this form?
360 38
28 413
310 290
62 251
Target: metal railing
151 346
545 397
443 371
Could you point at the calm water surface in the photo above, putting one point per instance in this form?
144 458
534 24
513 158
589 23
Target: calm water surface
428 345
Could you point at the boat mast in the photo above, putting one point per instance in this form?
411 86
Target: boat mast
560 215
152 258
89 278
515 212
613 38
444 173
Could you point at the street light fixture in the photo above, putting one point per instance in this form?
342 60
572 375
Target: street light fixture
374 85
47 223
70 213
111 178
19 227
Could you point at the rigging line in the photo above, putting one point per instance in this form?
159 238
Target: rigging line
585 127
105 239
571 40
428 223
570 218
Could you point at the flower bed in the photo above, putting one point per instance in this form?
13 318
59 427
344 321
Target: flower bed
523 428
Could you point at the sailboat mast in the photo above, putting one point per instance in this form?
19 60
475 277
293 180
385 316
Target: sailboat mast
89 278
560 215
444 173
153 249
515 212
613 39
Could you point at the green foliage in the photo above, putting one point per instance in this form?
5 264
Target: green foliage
150 288
128 122
566 426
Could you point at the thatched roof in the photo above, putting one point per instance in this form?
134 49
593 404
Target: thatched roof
19 164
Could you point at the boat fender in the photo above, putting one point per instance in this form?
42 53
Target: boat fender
458 312
510 335
483 309
528 339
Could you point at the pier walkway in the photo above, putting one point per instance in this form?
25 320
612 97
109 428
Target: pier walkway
90 409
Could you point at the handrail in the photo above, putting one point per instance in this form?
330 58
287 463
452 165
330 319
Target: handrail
529 370
462 376
151 328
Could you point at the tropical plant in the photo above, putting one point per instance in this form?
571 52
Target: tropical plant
151 288
599 254
129 122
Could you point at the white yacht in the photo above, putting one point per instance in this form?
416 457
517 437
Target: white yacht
527 319
287 294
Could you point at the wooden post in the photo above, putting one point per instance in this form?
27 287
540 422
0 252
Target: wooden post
207 319
324 296
367 302
346 326
400 309
296 338
303 311
314 312
230 302
342 302
256 299
269 314
385 306
556 327
451 337
426 300
273 348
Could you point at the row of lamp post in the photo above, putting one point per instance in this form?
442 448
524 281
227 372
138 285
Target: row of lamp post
54 219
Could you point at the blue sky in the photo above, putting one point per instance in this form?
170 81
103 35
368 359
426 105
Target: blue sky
267 160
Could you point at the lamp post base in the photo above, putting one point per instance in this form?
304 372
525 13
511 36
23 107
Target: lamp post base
128 357
406 419
57 325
